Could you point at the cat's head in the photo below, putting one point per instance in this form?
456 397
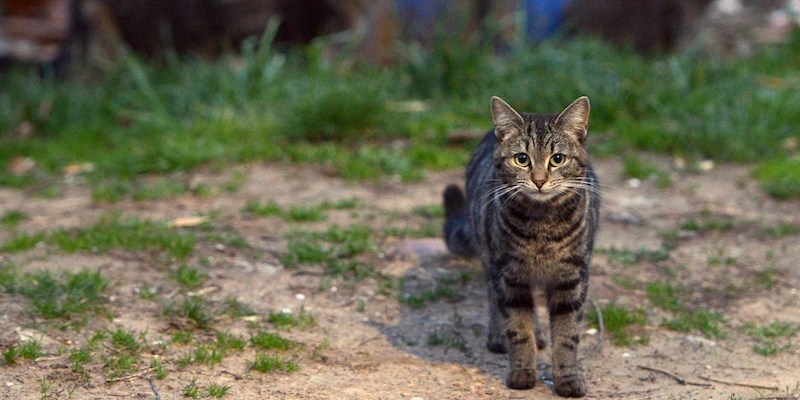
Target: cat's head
543 155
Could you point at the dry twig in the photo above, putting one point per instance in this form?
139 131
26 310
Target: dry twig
600 326
153 386
676 377
749 385
136 375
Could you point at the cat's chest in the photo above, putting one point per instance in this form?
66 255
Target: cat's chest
537 243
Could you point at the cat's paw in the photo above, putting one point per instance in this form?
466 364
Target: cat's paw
570 386
497 344
521 379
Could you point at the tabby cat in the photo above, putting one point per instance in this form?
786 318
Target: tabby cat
530 214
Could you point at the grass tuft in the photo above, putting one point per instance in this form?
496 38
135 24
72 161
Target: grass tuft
188 277
73 296
271 363
287 320
705 322
272 341
780 177
110 232
773 338
13 217
626 326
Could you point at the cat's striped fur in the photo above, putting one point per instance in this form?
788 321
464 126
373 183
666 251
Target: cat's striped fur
530 214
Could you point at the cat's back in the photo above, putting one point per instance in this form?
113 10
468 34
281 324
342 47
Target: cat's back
480 168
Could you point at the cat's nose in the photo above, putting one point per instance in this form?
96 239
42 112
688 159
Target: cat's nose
539 182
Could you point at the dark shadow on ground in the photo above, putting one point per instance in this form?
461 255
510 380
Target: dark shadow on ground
444 317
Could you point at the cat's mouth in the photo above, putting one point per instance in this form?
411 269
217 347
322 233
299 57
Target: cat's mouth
543 193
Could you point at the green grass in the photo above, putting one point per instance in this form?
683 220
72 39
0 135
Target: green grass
448 340
235 308
79 358
264 209
272 341
196 309
125 340
110 232
625 325
217 390
192 389
10 354
780 177
160 369
159 188
672 297
287 320
426 229
72 296
447 287
182 337
31 349
120 364
666 295
782 229
307 213
188 277
773 338
270 363
707 223
13 217
335 248
705 322
630 257
635 167
208 354
226 341
429 211
354 118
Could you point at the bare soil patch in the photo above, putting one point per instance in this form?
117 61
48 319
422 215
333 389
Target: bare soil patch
367 344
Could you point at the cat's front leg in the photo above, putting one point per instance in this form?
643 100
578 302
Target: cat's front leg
565 304
516 307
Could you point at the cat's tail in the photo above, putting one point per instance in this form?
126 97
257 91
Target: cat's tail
457 228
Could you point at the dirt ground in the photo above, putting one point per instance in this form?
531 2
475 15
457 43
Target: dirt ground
369 345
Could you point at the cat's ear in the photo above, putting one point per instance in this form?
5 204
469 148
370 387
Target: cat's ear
505 118
575 118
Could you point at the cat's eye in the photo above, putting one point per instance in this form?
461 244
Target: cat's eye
557 160
522 160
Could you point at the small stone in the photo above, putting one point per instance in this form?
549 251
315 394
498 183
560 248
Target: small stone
634 183
625 218
188 221
299 297
706 165
591 331
219 247
679 163
699 340
626 355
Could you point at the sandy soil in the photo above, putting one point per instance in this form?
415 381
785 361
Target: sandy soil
368 345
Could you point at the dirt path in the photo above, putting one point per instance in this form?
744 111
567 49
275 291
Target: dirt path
368 345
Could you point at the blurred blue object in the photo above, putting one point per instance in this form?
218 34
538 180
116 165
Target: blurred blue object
420 15
544 18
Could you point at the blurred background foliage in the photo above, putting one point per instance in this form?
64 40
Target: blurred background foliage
322 104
